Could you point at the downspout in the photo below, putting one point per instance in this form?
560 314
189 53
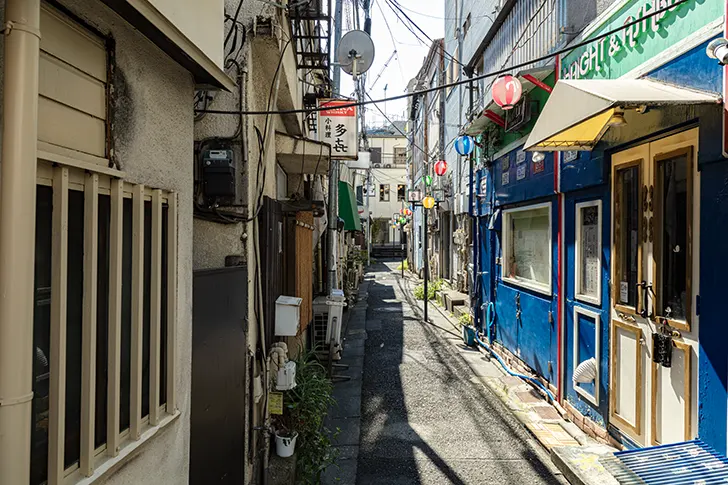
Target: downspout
17 236
560 354
475 297
426 172
441 94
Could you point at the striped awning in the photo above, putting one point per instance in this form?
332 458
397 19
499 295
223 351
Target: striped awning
688 463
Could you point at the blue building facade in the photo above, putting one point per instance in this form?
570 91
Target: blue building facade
606 254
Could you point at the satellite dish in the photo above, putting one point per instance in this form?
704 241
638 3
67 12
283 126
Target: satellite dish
355 52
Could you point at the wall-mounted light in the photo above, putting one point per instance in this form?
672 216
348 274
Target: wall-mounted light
538 157
617 119
718 49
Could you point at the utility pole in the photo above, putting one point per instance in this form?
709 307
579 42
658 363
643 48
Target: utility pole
333 223
475 298
334 164
337 39
425 210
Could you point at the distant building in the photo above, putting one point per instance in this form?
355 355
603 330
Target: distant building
387 184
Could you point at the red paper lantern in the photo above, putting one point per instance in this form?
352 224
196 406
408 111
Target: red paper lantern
507 91
408 212
440 168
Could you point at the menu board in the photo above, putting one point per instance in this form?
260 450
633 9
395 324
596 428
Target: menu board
590 257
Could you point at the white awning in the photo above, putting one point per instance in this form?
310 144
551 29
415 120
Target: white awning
578 112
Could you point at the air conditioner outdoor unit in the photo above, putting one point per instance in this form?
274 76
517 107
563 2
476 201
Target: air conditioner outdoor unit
320 323
327 314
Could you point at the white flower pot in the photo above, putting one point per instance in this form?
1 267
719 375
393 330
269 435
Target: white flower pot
285 445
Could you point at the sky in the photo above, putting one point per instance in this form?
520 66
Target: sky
428 15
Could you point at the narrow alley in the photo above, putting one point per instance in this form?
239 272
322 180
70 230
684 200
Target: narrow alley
425 418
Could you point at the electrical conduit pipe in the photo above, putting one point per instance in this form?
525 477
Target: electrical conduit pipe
536 382
17 235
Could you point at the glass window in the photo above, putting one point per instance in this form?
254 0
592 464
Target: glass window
401 192
383 192
400 155
102 318
673 184
74 326
626 234
527 247
588 251
41 334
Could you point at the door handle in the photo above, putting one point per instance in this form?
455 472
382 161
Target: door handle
645 297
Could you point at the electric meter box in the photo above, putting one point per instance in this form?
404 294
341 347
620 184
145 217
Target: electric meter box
288 316
218 173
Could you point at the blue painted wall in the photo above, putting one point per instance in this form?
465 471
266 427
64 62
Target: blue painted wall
534 184
531 336
713 332
587 170
693 69
598 413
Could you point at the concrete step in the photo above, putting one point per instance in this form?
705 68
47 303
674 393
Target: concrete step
454 299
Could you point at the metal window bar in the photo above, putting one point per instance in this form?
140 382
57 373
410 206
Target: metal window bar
88 340
171 303
59 302
137 308
156 307
115 305
64 178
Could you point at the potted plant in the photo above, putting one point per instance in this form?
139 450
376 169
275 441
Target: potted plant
285 439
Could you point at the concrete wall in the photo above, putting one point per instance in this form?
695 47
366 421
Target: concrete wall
153 138
393 177
387 144
201 21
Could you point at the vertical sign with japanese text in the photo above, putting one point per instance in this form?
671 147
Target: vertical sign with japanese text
337 126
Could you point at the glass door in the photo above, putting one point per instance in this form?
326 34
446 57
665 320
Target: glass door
654 282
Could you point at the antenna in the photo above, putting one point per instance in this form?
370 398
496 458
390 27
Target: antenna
355 52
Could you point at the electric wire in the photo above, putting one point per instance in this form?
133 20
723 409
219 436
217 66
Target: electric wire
483 16
442 48
487 75
406 25
517 45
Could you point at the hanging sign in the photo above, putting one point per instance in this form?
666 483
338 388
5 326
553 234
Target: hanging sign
338 126
615 55
414 196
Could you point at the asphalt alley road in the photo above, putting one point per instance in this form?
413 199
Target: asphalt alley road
425 418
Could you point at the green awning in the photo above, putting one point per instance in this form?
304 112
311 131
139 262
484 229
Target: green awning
347 207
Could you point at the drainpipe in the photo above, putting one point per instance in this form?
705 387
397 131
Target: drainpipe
17 236
475 298
560 334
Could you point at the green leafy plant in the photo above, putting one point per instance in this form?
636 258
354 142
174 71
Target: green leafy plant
464 319
432 287
305 408
405 264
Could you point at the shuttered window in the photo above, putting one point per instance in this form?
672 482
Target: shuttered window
72 84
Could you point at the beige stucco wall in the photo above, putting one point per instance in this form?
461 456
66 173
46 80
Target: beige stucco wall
201 21
387 144
153 138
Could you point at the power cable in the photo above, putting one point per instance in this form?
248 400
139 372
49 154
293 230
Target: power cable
498 72
516 45
447 54
486 16
406 25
